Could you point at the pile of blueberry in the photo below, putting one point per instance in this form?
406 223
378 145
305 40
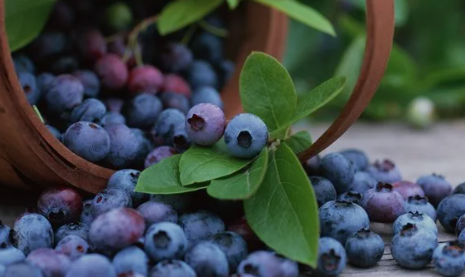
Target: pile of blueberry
112 102
351 193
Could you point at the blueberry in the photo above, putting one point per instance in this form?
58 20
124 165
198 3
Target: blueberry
116 230
66 93
205 124
131 260
324 190
449 259
54 132
413 247
72 246
363 181
421 220
45 81
23 63
126 179
332 257
91 265
201 225
385 171
357 157
22 269
233 245
364 248
144 148
146 79
109 199
91 45
312 166
114 104
143 110
407 189
176 84
180 202
208 260
200 74
351 196
458 227
118 16
51 262
90 82
48 44
420 204
75 228
88 140
225 71
112 118
174 100
31 232
5 236
158 154
340 219
65 65
112 71
450 210
175 57
123 147
168 124
461 237
207 94
207 46
435 187
60 205
2 270
267 264
155 212
29 85
383 204
340 171
11 255
87 215
165 240
172 268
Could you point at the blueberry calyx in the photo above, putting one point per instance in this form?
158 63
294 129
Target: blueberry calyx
331 260
197 122
408 230
385 165
161 239
438 176
58 215
354 194
417 199
416 215
253 270
180 141
363 233
454 249
384 187
244 139
343 203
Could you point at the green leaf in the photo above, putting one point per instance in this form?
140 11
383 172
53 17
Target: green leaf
181 13
25 19
232 4
299 141
202 164
284 212
163 178
267 90
241 185
302 13
315 99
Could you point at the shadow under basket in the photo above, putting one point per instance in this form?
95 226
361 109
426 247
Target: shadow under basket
32 158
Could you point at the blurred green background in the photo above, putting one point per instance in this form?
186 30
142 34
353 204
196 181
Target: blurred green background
427 59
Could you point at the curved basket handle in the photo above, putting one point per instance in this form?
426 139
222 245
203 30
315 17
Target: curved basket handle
380 32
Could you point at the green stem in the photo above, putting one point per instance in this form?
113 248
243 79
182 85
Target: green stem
219 32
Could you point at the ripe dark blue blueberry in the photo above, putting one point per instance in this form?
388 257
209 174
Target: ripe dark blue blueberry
45 81
267 264
48 44
87 215
29 85
88 140
91 110
413 247
364 248
324 190
351 196
332 257
407 189
109 199
112 118
155 212
207 46
174 100
205 124
458 227
31 232
114 104
146 79
73 247
123 146
421 220
233 245
312 166
449 259
172 268
60 205
64 95
200 225
340 171
65 65
169 121
435 187
74 228
385 172
91 265
420 204
459 189
245 136
207 260
90 82
165 240
158 154
23 63
175 57
383 204
357 157
131 260
363 181
144 148
116 230
54 132
450 210
50 262
340 219
126 179
112 71
11 255
200 74
143 110
207 95
22 269
5 236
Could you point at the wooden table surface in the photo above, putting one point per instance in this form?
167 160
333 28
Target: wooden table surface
440 150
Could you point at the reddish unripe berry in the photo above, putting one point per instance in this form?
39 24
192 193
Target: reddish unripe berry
147 79
177 84
51 262
60 205
112 71
92 45
407 189
383 204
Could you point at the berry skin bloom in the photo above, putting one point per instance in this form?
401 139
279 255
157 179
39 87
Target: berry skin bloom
205 124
